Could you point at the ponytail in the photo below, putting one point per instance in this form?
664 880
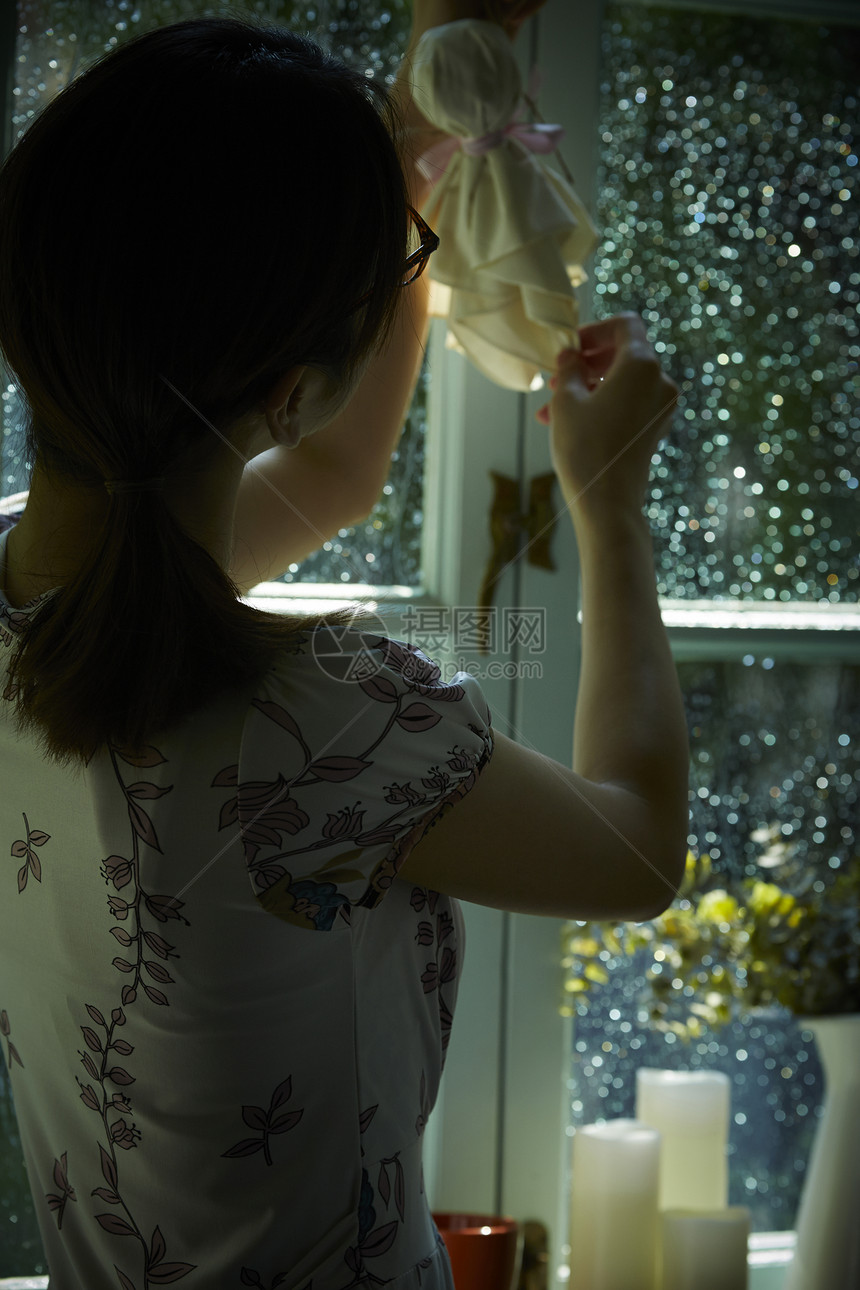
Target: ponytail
202 232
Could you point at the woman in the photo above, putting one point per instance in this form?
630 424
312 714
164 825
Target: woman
230 964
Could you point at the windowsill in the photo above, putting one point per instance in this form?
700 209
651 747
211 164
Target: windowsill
727 615
769 1255
293 593
760 615
388 602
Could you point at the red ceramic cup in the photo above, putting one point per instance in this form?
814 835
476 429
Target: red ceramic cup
485 1250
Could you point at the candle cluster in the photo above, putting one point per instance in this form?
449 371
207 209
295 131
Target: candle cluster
649 1200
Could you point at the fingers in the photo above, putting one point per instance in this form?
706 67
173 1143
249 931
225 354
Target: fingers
614 343
600 341
621 329
609 343
522 9
511 14
599 361
593 373
576 380
512 10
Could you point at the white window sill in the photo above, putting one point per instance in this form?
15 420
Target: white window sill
769 1255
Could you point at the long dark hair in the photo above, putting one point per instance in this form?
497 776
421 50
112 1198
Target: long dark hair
204 203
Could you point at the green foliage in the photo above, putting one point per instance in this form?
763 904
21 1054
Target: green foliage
715 954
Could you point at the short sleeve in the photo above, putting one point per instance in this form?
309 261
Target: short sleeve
347 757
10 513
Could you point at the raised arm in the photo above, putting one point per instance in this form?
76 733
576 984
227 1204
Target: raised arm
294 499
607 838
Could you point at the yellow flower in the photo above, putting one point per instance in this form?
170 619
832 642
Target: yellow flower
583 946
718 907
696 871
679 925
767 898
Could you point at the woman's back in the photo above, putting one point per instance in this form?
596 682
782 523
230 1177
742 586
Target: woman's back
237 1023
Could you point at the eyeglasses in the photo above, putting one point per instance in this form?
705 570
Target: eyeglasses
425 242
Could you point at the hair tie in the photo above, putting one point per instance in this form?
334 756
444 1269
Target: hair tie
133 485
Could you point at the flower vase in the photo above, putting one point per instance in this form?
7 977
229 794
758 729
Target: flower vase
827 1254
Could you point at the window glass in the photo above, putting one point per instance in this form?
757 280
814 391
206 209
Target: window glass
775 766
57 40
726 186
385 548
727 192
20 1242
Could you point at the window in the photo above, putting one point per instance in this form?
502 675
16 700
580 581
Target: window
727 185
779 670
717 151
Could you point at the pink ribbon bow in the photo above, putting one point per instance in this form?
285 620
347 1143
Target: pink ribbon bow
537 138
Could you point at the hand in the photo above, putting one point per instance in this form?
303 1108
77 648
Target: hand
510 14
611 404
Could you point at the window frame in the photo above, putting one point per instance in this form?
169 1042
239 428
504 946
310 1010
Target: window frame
505 1088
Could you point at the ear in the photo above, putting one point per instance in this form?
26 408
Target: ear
282 405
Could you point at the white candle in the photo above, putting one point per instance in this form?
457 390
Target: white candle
691 1111
614 1233
705 1250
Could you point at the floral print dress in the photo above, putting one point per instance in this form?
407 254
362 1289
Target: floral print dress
223 1015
